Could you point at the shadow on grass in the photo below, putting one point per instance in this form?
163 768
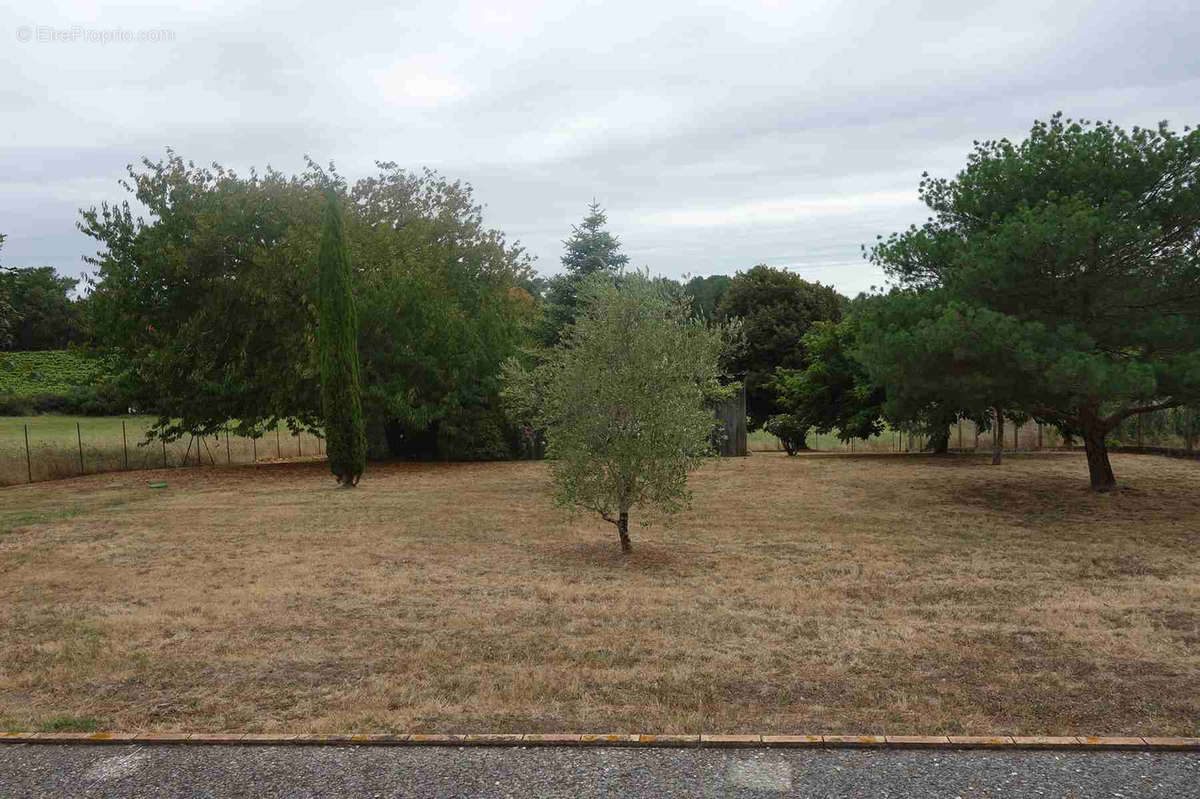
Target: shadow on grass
647 557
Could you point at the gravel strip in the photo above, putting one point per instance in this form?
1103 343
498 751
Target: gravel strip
298 771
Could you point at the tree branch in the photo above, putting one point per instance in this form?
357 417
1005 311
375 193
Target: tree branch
1125 413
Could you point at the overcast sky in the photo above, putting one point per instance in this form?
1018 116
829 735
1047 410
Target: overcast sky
717 135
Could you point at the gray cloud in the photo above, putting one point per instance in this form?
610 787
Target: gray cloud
717 136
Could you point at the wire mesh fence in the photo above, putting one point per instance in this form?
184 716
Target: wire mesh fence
37 448
1174 432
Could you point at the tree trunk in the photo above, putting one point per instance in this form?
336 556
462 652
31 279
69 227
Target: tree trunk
1099 469
939 440
998 437
623 532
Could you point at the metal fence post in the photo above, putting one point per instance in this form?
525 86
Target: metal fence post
253 449
164 446
278 452
228 458
125 445
79 438
299 453
28 460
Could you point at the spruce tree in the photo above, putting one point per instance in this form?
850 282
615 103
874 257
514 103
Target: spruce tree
341 397
590 249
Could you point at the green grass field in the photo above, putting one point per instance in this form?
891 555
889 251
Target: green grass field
54 447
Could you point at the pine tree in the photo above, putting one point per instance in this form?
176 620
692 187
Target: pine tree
341 397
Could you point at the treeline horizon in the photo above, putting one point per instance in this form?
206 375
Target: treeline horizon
1056 278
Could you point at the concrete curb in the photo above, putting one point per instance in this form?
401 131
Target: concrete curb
705 740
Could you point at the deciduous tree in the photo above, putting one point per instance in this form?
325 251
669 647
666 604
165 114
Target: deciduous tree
8 316
833 391
211 300
777 308
45 315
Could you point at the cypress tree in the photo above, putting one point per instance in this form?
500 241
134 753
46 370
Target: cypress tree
341 396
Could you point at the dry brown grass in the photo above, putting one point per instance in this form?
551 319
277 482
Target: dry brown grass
826 593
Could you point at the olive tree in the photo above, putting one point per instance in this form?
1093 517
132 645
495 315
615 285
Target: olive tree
625 399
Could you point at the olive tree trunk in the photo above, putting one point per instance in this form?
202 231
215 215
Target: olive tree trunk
623 532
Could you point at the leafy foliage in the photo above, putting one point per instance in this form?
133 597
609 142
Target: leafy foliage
212 302
8 315
44 316
706 294
58 381
1066 273
51 371
341 395
777 308
624 397
833 391
790 429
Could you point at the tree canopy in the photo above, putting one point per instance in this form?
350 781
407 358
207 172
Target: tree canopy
1058 276
832 392
706 294
43 315
8 315
211 301
625 399
777 308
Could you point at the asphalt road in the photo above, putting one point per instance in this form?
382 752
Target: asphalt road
297 771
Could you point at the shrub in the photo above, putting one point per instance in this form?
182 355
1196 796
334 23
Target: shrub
477 434
790 431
